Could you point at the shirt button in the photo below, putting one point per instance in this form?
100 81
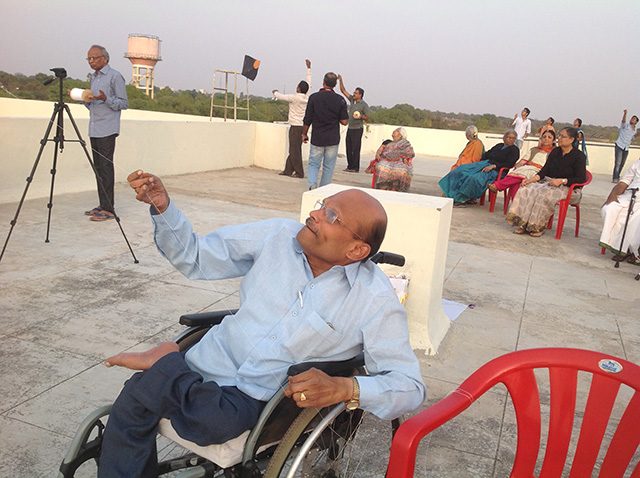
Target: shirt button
273 337
312 286
294 314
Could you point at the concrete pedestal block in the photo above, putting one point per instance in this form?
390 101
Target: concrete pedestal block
418 229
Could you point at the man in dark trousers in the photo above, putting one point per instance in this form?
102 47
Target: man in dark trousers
108 98
297 107
308 294
358 114
326 111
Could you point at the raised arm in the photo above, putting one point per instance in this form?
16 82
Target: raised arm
624 116
343 89
308 63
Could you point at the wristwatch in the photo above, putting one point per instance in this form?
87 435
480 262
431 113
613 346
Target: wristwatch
354 403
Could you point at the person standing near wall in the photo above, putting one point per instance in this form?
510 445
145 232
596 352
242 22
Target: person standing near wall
326 111
627 133
108 98
522 126
297 106
358 113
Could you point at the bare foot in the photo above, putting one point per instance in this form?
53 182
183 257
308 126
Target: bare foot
142 360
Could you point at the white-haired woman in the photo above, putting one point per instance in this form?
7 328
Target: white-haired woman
469 181
474 149
393 166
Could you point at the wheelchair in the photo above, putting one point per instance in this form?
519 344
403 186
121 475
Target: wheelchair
287 441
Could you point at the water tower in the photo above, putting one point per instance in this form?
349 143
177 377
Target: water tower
143 52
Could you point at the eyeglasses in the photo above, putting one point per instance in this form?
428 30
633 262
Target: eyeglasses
331 216
92 58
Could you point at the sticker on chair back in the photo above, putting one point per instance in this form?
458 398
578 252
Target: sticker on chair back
610 366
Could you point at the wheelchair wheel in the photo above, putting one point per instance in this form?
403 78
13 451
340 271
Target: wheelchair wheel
318 444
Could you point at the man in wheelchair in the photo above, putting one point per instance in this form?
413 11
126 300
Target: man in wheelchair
308 294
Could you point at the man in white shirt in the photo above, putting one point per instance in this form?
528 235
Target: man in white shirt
615 212
522 126
297 106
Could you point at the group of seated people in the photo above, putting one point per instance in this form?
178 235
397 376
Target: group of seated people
540 180
535 183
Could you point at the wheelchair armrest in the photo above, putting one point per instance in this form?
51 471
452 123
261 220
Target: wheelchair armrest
343 368
383 257
205 318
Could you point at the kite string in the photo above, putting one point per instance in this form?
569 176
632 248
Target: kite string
209 281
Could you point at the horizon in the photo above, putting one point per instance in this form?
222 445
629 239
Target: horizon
566 60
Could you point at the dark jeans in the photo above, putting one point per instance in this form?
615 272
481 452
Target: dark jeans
294 160
201 412
354 143
620 159
103 149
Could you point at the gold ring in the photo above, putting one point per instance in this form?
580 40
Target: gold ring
303 397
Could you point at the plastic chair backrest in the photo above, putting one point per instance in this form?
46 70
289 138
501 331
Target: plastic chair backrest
564 207
516 372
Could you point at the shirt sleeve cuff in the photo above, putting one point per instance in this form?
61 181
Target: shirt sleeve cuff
368 390
169 215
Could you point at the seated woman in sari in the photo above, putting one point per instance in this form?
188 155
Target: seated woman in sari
474 149
537 198
469 181
528 166
393 164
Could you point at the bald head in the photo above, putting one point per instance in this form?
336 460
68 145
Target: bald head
370 218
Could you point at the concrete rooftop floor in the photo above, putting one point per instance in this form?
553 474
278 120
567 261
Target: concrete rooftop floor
68 304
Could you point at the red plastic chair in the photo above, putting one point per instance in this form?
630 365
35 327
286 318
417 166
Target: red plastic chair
564 207
501 174
516 371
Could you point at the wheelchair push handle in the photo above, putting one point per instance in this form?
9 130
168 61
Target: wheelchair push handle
383 257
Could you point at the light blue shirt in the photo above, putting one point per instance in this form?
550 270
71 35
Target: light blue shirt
288 316
104 116
626 135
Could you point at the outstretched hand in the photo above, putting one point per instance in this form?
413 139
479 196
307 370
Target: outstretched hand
315 388
308 62
149 189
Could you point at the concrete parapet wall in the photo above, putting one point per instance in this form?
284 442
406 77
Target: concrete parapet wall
175 144
163 147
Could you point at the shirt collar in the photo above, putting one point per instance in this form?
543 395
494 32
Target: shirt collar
350 270
104 70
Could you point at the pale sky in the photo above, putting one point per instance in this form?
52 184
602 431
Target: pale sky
560 58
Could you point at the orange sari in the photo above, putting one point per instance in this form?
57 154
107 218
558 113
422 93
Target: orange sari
471 153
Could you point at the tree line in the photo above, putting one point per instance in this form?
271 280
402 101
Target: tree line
193 102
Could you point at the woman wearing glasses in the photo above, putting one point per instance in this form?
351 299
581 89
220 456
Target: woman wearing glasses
536 199
469 181
528 166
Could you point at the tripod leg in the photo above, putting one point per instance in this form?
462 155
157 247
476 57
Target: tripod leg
53 180
56 111
86 152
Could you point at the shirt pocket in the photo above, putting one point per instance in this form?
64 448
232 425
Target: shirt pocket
313 338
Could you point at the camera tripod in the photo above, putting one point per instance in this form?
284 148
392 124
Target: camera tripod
57 119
